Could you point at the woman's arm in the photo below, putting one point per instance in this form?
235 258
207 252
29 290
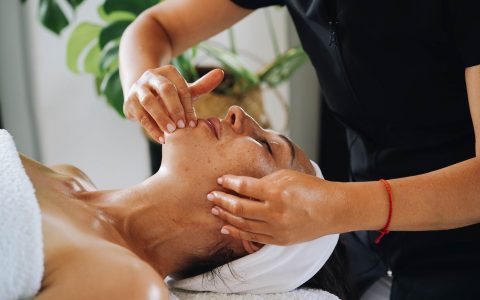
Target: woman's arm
443 199
294 207
168 29
160 99
472 78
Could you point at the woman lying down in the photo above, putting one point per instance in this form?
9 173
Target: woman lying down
122 244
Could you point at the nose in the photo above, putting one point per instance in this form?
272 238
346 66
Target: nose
236 117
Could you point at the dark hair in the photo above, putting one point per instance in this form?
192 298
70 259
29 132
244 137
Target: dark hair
332 277
208 266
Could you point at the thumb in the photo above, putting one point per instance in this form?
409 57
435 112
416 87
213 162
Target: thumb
207 83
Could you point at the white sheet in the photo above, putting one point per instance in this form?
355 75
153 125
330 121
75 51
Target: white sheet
299 294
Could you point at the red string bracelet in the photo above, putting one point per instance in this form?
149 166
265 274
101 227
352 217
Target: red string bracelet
385 230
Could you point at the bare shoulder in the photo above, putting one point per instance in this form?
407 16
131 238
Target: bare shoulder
74 172
104 273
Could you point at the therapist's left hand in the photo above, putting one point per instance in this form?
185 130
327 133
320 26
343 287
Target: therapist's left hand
282 208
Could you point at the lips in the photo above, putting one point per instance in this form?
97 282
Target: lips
214 124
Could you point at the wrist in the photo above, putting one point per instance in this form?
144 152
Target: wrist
366 206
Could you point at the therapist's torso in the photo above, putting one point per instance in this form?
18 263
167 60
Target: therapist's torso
393 73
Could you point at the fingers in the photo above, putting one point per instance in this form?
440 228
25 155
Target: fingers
188 113
250 209
162 100
155 133
207 83
134 111
247 245
243 185
239 222
247 236
155 109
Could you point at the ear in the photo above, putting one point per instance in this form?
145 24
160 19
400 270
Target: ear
251 247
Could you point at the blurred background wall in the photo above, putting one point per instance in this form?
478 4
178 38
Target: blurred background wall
56 117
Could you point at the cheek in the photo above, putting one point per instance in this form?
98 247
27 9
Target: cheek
244 157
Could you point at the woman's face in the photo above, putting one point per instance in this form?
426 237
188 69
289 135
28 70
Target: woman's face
235 145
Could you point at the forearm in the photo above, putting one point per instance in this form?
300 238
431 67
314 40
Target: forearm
144 45
444 199
168 29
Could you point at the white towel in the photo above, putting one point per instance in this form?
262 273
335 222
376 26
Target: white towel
298 294
21 244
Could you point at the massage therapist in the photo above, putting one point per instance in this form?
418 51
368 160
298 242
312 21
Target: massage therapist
403 76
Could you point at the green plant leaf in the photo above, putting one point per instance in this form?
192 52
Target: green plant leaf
193 52
52 16
185 66
112 32
92 61
115 15
245 78
109 57
133 6
75 3
283 66
111 88
80 38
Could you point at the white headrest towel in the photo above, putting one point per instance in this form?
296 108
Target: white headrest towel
298 294
21 244
272 269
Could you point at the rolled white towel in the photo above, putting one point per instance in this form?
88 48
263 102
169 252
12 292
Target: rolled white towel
21 244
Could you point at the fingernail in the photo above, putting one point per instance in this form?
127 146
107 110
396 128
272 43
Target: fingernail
225 231
181 124
192 124
210 197
220 180
215 211
170 127
161 140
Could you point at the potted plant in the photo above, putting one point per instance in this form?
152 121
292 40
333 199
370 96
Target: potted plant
93 49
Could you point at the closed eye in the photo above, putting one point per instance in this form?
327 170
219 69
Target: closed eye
267 145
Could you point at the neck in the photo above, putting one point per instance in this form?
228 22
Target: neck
147 216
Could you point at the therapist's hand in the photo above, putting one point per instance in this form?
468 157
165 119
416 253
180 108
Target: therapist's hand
162 101
282 208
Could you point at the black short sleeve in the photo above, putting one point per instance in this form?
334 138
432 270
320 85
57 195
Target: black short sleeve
466 29
253 4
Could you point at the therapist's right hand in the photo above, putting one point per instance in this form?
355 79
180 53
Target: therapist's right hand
162 101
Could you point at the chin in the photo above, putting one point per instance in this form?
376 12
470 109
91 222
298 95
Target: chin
191 151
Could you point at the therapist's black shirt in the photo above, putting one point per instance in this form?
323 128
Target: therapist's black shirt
393 72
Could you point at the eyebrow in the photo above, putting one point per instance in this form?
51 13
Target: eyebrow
292 148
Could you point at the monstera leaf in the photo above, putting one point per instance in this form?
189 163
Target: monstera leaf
55 16
93 48
133 6
84 39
